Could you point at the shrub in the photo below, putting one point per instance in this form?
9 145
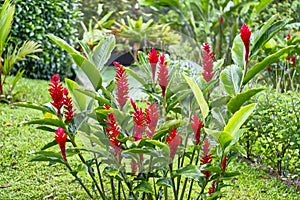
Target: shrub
274 129
33 21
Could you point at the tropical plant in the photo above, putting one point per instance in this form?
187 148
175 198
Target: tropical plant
9 55
181 136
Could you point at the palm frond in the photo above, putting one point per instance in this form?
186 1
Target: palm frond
6 19
27 49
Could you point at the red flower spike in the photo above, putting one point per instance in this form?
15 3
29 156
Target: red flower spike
206 158
61 138
163 74
196 126
288 37
69 112
206 147
153 115
221 19
56 92
141 120
153 60
122 85
212 188
207 61
173 140
245 34
292 60
113 131
224 164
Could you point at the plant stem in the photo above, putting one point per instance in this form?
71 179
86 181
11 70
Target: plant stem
192 182
79 180
1 84
112 188
173 181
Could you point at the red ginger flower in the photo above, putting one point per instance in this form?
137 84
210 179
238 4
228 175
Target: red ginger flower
61 138
122 85
163 74
207 61
56 92
245 34
212 188
206 158
196 126
288 37
292 60
153 60
153 114
113 131
224 164
69 112
173 140
141 120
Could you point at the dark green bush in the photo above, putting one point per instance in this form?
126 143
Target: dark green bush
33 21
274 132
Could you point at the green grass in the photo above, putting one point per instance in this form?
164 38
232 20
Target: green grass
22 179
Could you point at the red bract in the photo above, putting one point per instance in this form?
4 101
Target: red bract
196 126
113 131
206 158
56 92
245 34
69 112
288 37
61 138
173 140
212 188
153 60
153 115
224 163
141 120
122 85
292 60
163 74
207 61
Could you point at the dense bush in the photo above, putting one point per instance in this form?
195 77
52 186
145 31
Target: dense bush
274 132
33 21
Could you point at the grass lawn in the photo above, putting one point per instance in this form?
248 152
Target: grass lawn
21 179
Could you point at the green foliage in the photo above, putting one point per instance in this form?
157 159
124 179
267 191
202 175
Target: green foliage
33 21
273 138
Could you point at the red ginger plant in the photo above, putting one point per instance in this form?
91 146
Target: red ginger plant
61 138
207 61
174 140
68 106
153 114
245 34
122 85
153 60
56 92
163 74
196 126
206 158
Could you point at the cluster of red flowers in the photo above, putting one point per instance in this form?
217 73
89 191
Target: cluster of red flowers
61 138
245 34
207 61
122 85
196 126
153 60
60 98
173 140
206 158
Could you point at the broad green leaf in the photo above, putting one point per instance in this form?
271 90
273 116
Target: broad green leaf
48 121
94 95
111 172
262 4
78 98
144 186
35 106
103 50
236 102
266 62
231 79
234 141
238 119
199 96
48 156
214 133
166 126
238 51
267 31
167 182
136 77
225 138
189 171
6 19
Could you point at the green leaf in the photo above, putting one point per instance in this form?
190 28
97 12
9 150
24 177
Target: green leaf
164 182
48 156
266 62
262 4
48 121
189 171
78 98
231 79
225 139
144 186
50 144
136 77
238 119
238 51
199 96
111 172
35 106
236 102
267 31
166 126
103 50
